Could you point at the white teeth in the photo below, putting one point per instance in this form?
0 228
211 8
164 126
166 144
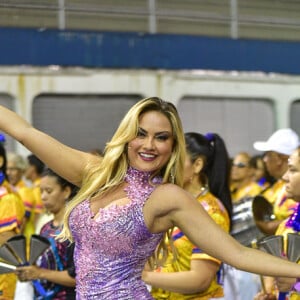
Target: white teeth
147 155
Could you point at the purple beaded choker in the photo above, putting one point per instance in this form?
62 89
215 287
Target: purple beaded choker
135 175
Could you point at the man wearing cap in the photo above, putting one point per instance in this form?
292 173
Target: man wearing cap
277 150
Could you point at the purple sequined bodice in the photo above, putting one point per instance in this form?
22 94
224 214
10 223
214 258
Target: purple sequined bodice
112 249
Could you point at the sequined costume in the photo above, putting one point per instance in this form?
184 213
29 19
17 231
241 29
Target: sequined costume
112 249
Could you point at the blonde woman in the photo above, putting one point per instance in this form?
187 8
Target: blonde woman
129 199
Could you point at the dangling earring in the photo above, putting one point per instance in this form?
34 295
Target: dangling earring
172 175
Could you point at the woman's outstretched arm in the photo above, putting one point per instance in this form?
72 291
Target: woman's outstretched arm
66 161
172 206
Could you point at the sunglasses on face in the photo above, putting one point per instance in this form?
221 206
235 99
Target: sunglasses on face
240 165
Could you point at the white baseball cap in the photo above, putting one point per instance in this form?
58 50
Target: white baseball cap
283 141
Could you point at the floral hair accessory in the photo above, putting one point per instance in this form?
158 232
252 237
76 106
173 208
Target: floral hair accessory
2 138
210 137
296 286
294 219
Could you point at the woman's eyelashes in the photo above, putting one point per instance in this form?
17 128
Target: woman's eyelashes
141 133
162 137
159 136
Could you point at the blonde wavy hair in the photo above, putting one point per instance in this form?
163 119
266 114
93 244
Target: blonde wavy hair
112 170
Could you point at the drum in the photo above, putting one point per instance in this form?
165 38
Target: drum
244 229
262 209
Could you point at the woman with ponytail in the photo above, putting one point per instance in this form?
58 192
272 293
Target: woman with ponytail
189 272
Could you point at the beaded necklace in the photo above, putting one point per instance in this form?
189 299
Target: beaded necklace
294 220
203 191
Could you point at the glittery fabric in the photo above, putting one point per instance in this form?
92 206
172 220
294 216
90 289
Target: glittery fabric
294 219
112 249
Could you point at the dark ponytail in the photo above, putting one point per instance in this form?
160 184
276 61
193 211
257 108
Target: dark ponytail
216 170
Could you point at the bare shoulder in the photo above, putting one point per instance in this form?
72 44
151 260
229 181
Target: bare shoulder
165 201
93 159
81 162
172 195
168 188
165 192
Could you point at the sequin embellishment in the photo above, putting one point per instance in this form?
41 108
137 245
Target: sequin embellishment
111 251
294 219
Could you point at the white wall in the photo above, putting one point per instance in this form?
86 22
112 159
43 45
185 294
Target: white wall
24 84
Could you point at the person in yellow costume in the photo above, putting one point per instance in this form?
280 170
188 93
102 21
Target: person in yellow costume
16 166
12 214
33 173
260 173
290 225
241 176
190 273
277 150
240 285
243 190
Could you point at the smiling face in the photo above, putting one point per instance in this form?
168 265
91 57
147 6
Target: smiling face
292 177
152 147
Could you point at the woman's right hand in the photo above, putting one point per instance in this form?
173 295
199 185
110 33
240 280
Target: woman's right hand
285 284
28 273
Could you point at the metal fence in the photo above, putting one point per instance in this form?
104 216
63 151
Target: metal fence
257 19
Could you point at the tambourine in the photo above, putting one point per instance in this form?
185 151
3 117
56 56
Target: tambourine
274 244
13 254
